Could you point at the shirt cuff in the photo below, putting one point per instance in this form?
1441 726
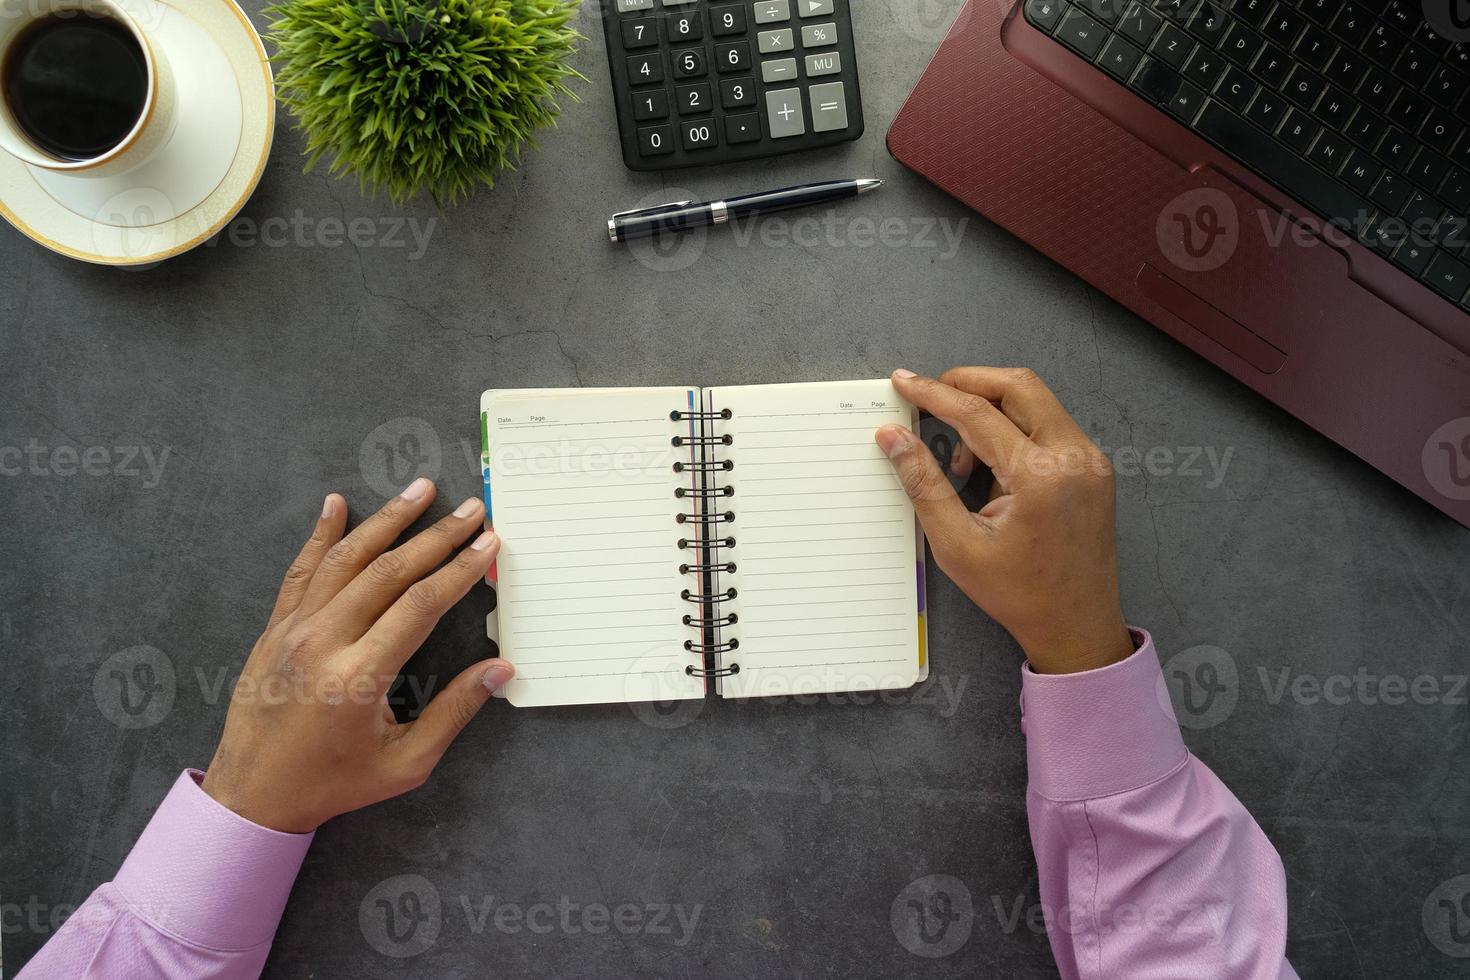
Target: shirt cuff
206 874
1100 732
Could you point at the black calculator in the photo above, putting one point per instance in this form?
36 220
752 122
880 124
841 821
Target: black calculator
699 82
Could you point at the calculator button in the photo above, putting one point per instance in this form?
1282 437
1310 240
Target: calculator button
783 111
725 21
771 11
699 135
774 42
689 63
650 104
737 92
685 27
692 99
642 33
679 3
628 6
655 141
731 57
818 35
818 65
829 107
814 8
743 128
645 68
779 70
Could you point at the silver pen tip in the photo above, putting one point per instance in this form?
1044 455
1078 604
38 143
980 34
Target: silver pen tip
869 184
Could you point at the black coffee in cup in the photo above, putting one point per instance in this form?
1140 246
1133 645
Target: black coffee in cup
75 83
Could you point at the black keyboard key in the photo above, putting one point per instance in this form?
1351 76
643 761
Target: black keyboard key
1321 11
1366 129
692 100
1416 66
1446 86
1403 16
1409 110
1299 131
737 93
744 127
1293 175
1378 91
1456 190
1384 234
1186 103
1119 58
1252 12
1139 24
1440 130
1461 153
641 33
645 69
689 63
1455 235
1316 48
1391 192
1156 81
1241 44
1449 278
1361 172
1304 87
1204 68
1352 24
1429 170
651 104
1330 152
699 134
1423 214
1082 33
1284 26
1272 66
1336 109
1413 256
1267 110
1103 11
727 21
1045 14
1427 37
1398 150
655 141
684 27
1347 69
1236 89
1383 45
1209 22
1176 10
1172 46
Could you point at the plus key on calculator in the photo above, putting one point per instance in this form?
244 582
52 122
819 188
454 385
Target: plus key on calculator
698 82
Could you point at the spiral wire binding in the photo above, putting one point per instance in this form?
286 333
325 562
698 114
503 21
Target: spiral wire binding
705 491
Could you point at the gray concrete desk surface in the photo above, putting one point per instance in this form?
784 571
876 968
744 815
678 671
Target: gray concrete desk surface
185 422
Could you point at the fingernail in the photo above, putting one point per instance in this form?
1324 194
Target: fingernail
329 506
496 676
893 440
468 508
484 541
904 373
417 489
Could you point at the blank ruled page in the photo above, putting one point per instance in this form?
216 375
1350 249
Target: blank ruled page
581 489
826 548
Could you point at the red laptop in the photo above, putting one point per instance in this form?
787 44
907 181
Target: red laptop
1281 185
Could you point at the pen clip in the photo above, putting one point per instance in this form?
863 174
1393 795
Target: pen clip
676 205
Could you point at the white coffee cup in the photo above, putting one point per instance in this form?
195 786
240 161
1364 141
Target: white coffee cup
156 121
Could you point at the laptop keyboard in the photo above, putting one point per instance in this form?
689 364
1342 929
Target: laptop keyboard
1360 111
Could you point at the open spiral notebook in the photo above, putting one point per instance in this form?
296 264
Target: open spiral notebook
661 544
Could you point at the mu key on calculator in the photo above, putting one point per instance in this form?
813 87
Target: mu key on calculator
712 81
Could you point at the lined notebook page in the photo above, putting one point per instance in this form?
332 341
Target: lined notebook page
581 492
826 573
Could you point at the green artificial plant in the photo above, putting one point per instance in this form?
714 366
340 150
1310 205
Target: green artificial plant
432 96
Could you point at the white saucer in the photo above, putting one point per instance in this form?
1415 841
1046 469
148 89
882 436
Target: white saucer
162 208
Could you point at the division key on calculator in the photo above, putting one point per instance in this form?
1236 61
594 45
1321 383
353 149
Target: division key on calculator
699 82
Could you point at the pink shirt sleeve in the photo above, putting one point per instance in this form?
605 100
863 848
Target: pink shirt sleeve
1149 867
200 896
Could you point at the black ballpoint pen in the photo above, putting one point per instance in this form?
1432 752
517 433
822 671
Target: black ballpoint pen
682 215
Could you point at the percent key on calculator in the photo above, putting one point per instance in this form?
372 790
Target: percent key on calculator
700 82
